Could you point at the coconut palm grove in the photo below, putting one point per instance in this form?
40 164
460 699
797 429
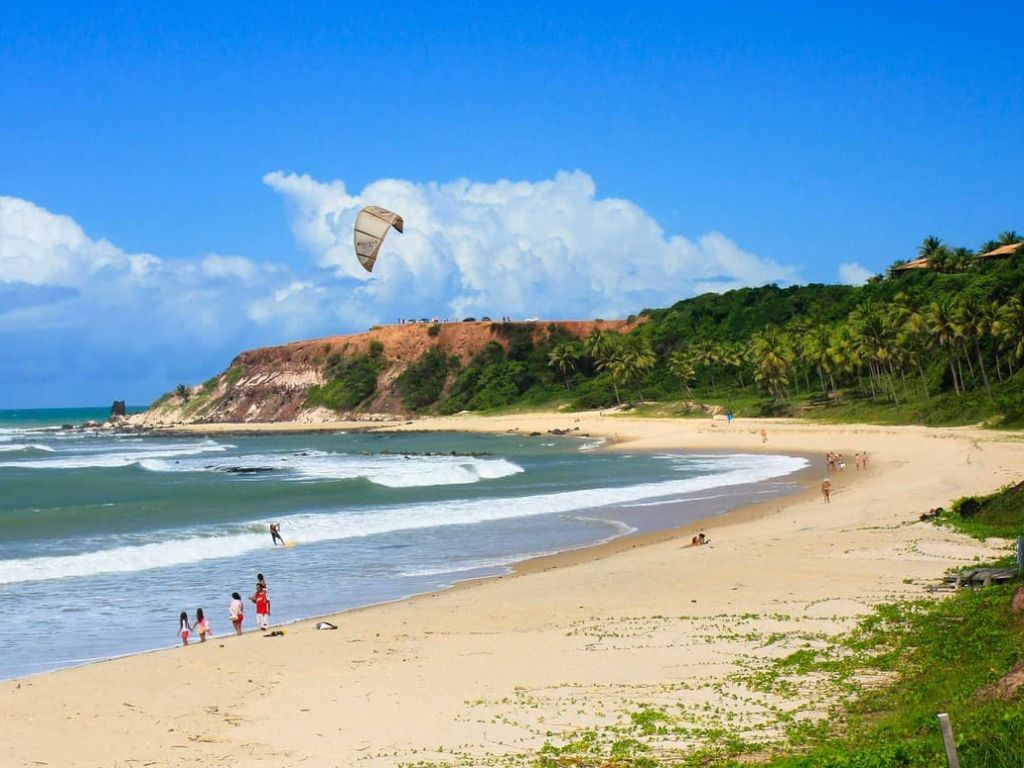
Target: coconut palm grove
937 340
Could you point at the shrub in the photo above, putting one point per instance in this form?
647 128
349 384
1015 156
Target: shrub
422 382
350 380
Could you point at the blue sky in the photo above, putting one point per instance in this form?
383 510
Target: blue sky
200 165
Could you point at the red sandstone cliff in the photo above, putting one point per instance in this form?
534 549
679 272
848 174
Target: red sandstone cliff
271 383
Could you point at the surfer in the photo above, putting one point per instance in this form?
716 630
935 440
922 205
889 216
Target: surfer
275 534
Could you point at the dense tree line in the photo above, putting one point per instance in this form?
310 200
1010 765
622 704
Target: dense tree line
947 340
956 328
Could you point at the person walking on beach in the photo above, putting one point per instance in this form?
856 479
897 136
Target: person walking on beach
183 628
202 626
764 436
262 601
826 490
236 612
275 534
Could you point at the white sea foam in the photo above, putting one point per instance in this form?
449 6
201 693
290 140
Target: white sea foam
663 502
347 524
11 447
391 471
101 456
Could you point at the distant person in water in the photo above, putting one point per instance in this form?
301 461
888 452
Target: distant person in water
184 630
237 612
202 626
826 490
275 534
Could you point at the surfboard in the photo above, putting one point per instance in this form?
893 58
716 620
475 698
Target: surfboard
291 543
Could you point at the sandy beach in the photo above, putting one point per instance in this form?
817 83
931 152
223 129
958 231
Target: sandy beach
495 668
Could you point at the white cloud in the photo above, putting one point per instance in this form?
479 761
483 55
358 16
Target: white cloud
80 314
551 248
852 273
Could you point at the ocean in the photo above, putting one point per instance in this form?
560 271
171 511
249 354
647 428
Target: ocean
105 539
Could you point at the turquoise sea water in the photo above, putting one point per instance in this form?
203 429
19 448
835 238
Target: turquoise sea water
105 538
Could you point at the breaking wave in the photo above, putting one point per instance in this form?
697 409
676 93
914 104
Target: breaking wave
235 540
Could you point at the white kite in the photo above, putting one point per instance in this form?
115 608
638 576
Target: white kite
372 224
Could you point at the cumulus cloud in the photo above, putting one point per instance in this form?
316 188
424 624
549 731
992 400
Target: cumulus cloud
550 247
84 316
852 273
83 320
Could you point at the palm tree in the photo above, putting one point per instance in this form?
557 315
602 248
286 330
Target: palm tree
940 319
183 392
597 345
874 336
772 355
816 347
1009 327
732 357
929 246
974 327
1009 237
626 362
681 365
959 260
912 337
564 357
989 245
708 355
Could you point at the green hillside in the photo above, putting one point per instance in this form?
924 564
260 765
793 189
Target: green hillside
938 345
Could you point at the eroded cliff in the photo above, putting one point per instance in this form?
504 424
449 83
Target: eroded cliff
273 383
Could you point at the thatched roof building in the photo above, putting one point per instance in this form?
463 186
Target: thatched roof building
921 263
1002 251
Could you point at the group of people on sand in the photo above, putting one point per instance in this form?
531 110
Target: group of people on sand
236 612
836 462
699 540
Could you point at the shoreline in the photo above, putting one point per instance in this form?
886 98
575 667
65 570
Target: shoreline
710 517
584 630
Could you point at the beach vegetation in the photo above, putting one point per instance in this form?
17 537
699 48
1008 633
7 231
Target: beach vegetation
233 375
350 380
422 382
999 514
183 392
866 699
937 346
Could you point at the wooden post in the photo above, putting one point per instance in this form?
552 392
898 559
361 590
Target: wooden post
947 740
1020 556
